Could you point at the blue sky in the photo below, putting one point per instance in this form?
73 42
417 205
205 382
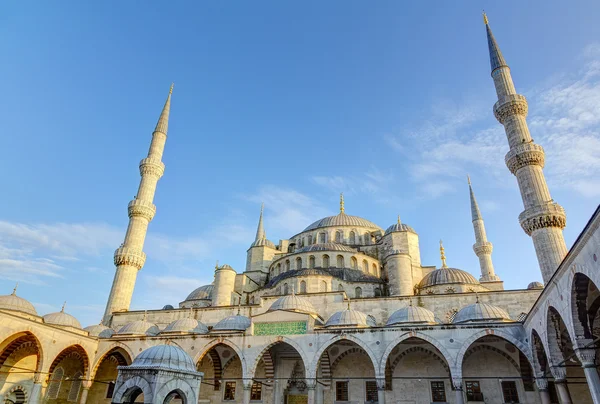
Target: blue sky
288 103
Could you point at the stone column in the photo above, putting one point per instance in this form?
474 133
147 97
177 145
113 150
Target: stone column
560 380
381 390
86 384
36 393
319 394
587 358
311 384
542 385
247 384
458 387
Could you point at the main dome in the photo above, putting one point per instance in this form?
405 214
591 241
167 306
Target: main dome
342 219
202 293
165 356
326 247
442 276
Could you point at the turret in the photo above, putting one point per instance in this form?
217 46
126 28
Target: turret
224 285
402 261
543 219
129 257
259 256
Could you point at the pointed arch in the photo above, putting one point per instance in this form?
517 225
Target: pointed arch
312 369
76 351
137 382
178 385
18 340
278 340
539 355
216 359
581 315
557 336
125 356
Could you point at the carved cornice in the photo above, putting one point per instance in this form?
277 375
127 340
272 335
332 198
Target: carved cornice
509 105
483 248
130 256
139 207
152 166
550 214
524 155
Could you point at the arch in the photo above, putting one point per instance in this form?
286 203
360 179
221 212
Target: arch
352 351
311 261
353 263
55 379
322 237
16 341
73 350
309 240
340 261
555 339
124 391
124 352
286 289
323 286
492 349
302 287
225 342
389 370
367 238
581 318
358 292
179 386
75 386
298 263
279 340
312 370
20 394
365 266
287 265
352 238
339 236
325 261
540 358
374 267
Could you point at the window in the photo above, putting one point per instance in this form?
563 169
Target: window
473 390
340 287
377 292
340 261
278 270
352 238
438 392
326 261
256 392
358 292
75 387
229 392
341 391
110 389
322 237
298 263
371 391
287 265
286 289
323 286
374 269
509 391
367 238
338 236
55 382
309 238
311 261
302 287
354 263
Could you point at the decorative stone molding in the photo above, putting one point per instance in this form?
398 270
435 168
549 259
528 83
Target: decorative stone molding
380 383
152 166
525 154
139 207
586 356
483 248
542 383
457 383
559 373
130 256
509 105
550 214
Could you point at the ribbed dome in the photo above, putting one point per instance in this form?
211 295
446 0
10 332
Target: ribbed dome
535 285
62 319
293 303
186 325
16 303
342 219
412 315
233 323
139 327
263 242
99 331
164 357
481 312
326 247
443 276
168 307
350 318
202 293
398 227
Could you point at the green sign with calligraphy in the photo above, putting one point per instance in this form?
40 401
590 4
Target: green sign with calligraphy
283 328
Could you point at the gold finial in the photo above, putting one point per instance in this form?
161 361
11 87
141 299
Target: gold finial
171 89
443 255
485 19
469 179
342 203
399 219
62 310
14 293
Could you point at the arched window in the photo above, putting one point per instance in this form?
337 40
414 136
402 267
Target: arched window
338 236
375 269
75 386
326 261
291 248
302 242
252 300
340 261
278 270
358 292
309 239
354 263
322 237
340 287
377 292
323 286
298 263
365 266
287 265
367 238
311 261
286 289
55 382
352 238
302 287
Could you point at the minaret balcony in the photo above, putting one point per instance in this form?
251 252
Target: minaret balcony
484 248
129 256
509 105
523 155
139 207
549 214
152 166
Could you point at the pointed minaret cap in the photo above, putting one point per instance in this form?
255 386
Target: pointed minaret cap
62 310
260 231
163 121
443 255
475 213
14 293
496 58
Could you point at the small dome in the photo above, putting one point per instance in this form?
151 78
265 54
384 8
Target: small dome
225 266
412 315
535 285
16 303
233 323
293 303
442 276
139 327
186 325
342 219
100 331
62 319
168 307
399 227
263 242
481 312
169 357
350 318
326 247
202 293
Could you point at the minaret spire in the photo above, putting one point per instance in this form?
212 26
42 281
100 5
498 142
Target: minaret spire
443 255
260 231
482 247
342 209
129 257
543 219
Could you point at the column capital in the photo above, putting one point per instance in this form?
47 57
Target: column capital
559 373
247 383
311 384
380 383
586 356
86 384
542 383
457 383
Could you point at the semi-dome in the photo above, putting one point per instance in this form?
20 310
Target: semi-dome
326 247
442 276
15 303
99 331
399 227
412 315
139 327
169 357
202 293
233 323
293 303
342 219
481 312
61 319
535 285
186 325
350 318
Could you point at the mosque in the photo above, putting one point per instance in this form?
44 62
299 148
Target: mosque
342 312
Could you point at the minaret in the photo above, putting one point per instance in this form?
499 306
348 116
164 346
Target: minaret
543 219
129 257
260 231
482 247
